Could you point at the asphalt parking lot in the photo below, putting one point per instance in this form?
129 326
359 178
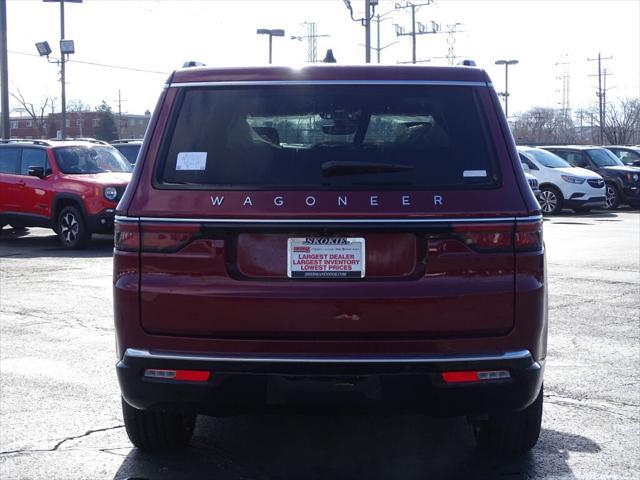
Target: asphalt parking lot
59 401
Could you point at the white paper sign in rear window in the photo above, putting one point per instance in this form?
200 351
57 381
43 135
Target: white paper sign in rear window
191 161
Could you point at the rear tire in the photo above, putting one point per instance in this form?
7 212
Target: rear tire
511 433
72 229
550 200
612 197
157 430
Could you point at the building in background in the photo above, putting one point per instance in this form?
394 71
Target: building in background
79 124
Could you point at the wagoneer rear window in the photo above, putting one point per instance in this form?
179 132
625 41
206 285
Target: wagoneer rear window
328 137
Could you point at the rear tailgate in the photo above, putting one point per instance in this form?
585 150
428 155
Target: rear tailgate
425 280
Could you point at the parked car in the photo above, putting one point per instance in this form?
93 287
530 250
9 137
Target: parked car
330 238
562 185
72 187
622 182
627 155
128 148
533 183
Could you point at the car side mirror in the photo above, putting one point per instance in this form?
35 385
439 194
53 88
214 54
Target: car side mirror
36 172
525 167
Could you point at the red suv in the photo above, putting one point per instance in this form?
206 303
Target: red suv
72 187
341 239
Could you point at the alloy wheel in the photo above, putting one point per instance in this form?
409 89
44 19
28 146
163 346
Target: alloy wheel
69 227
548 201
612 197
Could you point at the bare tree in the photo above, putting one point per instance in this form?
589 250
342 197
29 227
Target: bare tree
37 113
80 108
539 126
622 121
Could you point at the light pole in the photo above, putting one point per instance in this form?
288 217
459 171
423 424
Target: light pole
369 11
506 64
272 32
66 48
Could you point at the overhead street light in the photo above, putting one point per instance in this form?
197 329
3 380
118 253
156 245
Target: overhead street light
505 94
67 47
272 32
43 49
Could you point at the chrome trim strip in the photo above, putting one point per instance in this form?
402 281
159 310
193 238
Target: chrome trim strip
331 82
146 354
531 218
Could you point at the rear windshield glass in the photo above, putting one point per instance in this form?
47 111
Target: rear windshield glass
548 159
329 137
94 159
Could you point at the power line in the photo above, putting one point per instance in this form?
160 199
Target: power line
96 64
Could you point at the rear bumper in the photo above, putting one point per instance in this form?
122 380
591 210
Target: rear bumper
320 384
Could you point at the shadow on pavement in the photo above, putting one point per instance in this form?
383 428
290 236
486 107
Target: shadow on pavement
294 447
36 243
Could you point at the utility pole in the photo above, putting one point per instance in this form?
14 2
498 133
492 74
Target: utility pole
452 29
369 12
565 102
422 29
120 102
600 94
379 19
506 64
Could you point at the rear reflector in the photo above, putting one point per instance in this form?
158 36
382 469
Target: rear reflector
475 376
180 375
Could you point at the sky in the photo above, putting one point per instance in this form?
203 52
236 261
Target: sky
150 38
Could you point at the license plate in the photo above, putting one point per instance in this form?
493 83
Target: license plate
325 257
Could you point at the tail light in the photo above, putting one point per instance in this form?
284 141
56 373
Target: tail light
528 236
158 237
501 237
153 237
486 238
127 236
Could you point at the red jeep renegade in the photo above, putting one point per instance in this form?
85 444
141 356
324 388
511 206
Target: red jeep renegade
330 239
70 186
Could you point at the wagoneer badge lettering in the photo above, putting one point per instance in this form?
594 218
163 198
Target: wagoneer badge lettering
342 200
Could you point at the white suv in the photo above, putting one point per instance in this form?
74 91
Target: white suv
562 185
